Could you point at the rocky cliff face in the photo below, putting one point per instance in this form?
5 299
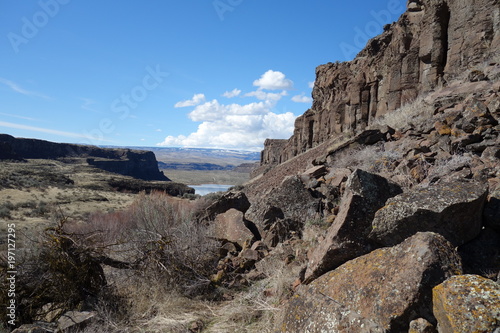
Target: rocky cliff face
134 163
432 43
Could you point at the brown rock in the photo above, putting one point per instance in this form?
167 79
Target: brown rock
421 325
378 292
425 48
467 303
231 226
284 209
346 239
230 200
453 210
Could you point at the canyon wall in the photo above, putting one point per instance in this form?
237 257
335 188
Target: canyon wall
135 163
432 43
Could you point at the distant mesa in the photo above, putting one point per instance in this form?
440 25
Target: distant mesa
135 163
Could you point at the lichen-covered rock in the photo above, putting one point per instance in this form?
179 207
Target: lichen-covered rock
347 237
231 226
467 303
453 210
382 291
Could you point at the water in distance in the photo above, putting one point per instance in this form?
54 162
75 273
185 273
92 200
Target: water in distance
204 189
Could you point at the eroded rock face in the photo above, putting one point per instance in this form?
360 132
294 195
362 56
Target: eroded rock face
467 303
347 237
423 50
379 292
135 163
453 210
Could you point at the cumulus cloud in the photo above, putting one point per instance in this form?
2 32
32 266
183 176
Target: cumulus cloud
266 96
273 80
302 99
197 99
231 94
311 84
239 126
234 126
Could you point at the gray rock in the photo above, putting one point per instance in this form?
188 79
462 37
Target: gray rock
347 237
453 210
378 292
467 303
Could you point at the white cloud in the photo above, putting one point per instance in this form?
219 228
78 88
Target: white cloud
231 94
234 126
273 80
265 96
15 87
302 99
311 84
197 99
212 111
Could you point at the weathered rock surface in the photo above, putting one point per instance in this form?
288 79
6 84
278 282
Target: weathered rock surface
135 163
453 210
231 226
230 200
283 210
347 237
379 292
467 303
427 47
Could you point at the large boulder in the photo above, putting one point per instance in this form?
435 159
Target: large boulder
347 237
231 226
467 303
232 199
382 291
453 210
283 210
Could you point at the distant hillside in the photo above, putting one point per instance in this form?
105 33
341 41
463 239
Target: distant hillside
200 158
135 163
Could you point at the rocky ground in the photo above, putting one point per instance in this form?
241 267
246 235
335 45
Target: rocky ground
380 214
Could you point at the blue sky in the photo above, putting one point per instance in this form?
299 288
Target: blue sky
191 73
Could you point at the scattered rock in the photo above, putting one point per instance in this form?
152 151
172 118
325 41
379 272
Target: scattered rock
467 303
453 210
381 291
346 239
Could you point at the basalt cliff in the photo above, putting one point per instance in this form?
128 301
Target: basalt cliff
135 163
432 43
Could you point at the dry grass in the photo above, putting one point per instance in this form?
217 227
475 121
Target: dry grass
409 115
